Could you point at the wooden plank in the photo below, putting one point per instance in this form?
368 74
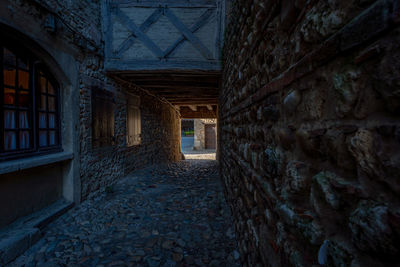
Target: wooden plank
106 27
193 83
156 65
169 3
179 96
209 90
221 13
188 34
144 28
197 102
127 22
157 79
184 96
212 93
200 23
193 101
180 73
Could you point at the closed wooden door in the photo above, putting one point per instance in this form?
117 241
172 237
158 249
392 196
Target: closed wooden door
210 136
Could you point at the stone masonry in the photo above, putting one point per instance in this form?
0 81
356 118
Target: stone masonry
310 133
78 34
199 132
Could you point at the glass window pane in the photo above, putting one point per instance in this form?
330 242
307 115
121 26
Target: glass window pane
52 103
23 120
23 79
9 75
24 140
9 119
51 89
43 102
42 120
52 121
10 140
9 57
9 96
52 138
23 63
23 99
42 84
42 138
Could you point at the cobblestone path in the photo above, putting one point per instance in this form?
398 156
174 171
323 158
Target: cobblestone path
170 215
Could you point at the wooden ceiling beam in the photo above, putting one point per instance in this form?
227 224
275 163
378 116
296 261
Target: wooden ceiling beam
193 107
196 85
171 78
196 102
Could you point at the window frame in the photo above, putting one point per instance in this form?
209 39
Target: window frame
33 108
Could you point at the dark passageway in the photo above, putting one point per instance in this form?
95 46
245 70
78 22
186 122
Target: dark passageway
294 111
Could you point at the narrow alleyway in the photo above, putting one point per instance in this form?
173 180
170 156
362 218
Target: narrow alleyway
169 215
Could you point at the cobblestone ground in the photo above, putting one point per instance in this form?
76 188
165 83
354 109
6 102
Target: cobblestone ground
169 215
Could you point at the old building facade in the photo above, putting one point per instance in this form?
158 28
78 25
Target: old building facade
66 38
307 106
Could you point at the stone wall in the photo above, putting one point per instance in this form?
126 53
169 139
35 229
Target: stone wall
101 167
309 121
160 137
76 47
199 132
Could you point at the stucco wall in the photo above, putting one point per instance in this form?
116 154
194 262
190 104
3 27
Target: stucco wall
309 131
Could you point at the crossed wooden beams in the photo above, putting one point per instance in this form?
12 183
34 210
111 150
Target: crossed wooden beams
140 32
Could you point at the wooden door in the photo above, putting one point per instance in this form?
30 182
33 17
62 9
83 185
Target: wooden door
210 136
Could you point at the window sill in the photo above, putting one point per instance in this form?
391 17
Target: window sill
27 163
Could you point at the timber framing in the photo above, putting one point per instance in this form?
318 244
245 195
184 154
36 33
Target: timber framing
178 88
166 71
119 56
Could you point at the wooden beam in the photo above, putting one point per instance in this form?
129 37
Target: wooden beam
200 23
201 105
188 34
194 83
201 112
166 77
187 72
107 27
178 97
169 3
182 95
157 65
144 28
127 22
190 102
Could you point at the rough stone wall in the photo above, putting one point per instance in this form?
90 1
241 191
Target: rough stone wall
160 141
199 132
309 121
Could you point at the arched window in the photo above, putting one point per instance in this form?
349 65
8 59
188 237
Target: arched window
29 119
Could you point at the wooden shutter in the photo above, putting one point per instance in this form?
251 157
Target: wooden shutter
102 118
133 127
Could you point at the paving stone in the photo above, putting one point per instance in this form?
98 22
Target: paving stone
154 217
